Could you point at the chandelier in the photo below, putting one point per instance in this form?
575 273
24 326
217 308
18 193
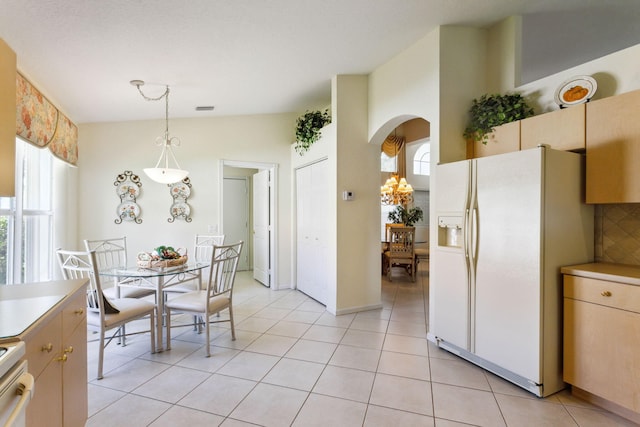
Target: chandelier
395 192
161 172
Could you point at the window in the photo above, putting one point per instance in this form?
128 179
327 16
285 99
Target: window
26 221
422 160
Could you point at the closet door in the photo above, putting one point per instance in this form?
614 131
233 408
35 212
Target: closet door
311 218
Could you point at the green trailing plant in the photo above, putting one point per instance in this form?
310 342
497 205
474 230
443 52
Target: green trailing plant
490 111
407 217
308 129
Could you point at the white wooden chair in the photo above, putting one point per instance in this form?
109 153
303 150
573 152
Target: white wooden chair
401 250
104 314
216 297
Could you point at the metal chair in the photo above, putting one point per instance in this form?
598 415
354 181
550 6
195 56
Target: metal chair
104 314
216 297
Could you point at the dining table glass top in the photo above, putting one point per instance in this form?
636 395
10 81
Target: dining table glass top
147 272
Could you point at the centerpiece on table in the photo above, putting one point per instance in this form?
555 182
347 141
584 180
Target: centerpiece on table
162 256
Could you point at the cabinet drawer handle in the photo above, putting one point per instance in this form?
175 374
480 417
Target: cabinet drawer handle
69 349
79 312
62 358
605 293
47 348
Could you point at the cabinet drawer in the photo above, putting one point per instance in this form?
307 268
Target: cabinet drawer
74 313
43 346
610 294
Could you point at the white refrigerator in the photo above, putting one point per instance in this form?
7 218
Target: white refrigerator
506 224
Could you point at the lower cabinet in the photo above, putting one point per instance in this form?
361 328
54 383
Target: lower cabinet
56 351
602 342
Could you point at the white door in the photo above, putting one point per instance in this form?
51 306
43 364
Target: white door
236 216
261 227
448 269
312 230
507 290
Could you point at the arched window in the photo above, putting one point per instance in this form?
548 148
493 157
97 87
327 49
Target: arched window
422 160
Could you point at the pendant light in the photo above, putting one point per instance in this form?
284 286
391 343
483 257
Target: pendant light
396 190
161 172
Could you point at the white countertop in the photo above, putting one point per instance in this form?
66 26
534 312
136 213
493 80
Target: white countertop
622 273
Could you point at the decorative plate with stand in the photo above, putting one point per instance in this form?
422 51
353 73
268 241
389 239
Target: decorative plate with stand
180 192
128 189
576 90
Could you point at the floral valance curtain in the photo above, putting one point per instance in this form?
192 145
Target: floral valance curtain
42 124
395 146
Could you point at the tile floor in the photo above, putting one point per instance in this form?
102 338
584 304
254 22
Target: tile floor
293 364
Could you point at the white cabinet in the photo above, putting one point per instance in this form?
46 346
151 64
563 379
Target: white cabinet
312 201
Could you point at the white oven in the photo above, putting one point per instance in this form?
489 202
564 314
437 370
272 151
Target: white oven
16 385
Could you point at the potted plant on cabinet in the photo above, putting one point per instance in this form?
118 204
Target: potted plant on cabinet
308 129
490 111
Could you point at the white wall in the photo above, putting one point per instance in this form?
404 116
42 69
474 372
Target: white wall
107 149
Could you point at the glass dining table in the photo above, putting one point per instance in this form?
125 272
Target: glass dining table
158 279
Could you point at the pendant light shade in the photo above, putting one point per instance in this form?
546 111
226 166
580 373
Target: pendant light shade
161 172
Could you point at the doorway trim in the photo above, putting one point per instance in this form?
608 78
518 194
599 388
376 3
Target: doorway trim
273 208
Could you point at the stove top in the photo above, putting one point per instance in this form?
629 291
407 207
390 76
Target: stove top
10 354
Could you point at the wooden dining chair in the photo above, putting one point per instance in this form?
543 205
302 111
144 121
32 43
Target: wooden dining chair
401 250
216 297
104 314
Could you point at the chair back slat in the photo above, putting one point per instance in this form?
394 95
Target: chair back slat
222 273
110 253
82 265
401 242
203 248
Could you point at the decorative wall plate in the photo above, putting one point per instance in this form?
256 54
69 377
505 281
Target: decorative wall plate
576 90
128 211
180 190
127 191
180 209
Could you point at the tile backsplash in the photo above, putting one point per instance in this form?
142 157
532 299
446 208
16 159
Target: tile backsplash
617 233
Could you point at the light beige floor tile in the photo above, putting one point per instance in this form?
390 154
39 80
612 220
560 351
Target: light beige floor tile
405 394
417 330
596 418
378 313
101 397
132 374
251 366
172 385
369 324
439 353
342 321
274 345
289 329
348 356
324 333
243 339
230 422
529 412
457 372
323 411
256 324
404 365
404 344
199 360
270 405
271 312
312 351
363 339
476 407
180 416
312 305
293 373
130 411
448 423
219 394
378 416
179 350
303 316
345 383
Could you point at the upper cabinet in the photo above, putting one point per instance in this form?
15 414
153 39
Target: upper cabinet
613 149
7 119
561 129
504 139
